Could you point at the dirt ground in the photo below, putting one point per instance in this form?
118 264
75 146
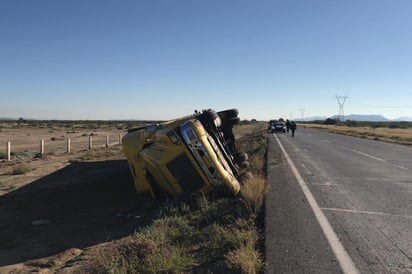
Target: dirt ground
28 139
55 215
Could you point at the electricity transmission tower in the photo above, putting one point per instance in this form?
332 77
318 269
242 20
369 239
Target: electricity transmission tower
341 101
302 112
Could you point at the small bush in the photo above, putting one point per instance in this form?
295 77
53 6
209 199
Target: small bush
257 164
173 208
214 236
239 236
216 209
330 121
203 203
168 230
123 256
245 259
20 169
253 194
171 259
158 248
394 125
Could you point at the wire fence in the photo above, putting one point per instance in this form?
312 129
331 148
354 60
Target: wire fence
16 150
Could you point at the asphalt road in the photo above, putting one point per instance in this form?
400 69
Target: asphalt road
337 204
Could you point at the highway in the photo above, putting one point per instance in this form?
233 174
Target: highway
337 204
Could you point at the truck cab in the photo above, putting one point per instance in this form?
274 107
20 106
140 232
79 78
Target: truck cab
195 153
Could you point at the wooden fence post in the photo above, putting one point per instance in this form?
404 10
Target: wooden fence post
90 142
8 151
42 147
120 138
68 145
107 140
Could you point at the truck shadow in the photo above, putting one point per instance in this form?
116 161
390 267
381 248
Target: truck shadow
81 205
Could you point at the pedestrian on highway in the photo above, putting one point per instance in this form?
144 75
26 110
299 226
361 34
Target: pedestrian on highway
287 125
293 127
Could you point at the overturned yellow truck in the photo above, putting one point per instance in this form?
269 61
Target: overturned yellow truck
195 153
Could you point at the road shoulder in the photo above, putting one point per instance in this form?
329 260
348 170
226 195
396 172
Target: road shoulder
294 242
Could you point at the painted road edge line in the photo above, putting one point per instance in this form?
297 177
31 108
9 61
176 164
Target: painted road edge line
342 256
365 154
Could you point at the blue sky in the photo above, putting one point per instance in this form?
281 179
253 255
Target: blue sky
84 59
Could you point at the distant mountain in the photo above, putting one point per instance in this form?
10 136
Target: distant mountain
403 119
365 117
362 117
353 117
315 118
357 117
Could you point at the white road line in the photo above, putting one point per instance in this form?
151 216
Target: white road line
327 183
365 154
365 212
341 254
373 157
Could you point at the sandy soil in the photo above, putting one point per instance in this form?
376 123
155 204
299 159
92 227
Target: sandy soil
55 140
54 216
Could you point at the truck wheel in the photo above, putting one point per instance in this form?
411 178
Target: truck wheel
241 157
244 164
230 113
246 176
211 114
235 120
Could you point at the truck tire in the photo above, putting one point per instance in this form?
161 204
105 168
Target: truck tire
244 164
246 176
241 157
235 120
230 113
211 114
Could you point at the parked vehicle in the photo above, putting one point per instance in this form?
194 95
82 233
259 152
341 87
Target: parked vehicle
195 153
277 126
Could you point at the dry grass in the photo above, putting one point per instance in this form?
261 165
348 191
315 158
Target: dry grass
396 135
253 193
20 169
245 256
186 242
252 139
155 249
248 128
245 259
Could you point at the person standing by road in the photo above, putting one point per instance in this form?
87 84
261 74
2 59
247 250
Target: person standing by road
287 125
293 127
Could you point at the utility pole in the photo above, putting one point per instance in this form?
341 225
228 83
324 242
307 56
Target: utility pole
341 101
